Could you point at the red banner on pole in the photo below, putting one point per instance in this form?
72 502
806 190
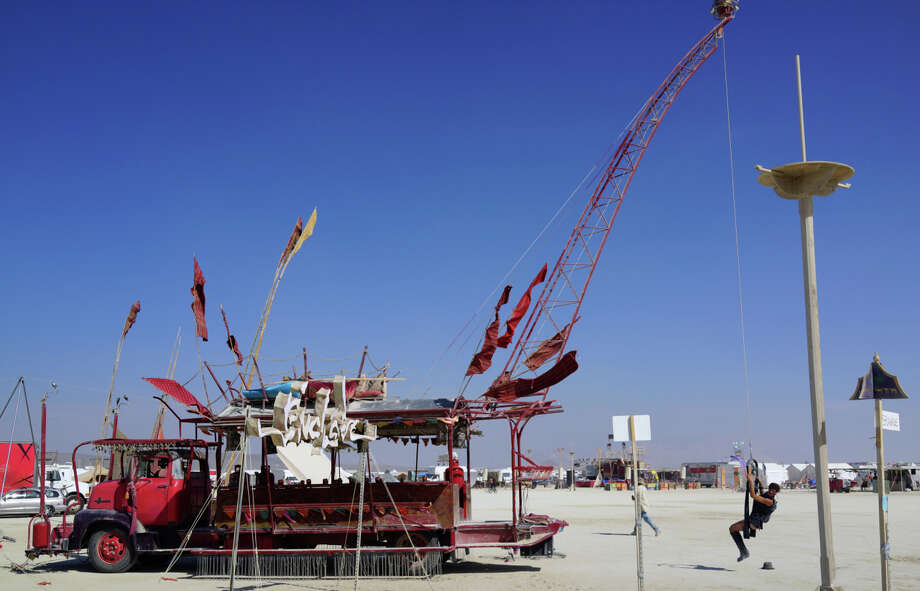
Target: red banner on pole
201 327
132 318
520 309
483 359
292 241
231 340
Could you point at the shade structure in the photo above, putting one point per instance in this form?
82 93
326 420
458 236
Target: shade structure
878 383
803 179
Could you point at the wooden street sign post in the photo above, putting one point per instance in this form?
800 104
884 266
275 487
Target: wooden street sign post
876 385
634 428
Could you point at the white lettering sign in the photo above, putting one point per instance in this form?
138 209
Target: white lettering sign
323 427
891 421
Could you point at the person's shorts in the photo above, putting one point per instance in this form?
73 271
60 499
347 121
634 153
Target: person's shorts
756 521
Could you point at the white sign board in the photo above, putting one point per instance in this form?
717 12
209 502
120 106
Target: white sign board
621 428
891 421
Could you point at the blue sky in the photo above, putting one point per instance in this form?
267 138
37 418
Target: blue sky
436 140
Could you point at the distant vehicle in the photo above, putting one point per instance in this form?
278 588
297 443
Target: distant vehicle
27 501
707 474
840 484
60 478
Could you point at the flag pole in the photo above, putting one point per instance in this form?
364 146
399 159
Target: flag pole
260 330
129 322
298 237
170 373
201 371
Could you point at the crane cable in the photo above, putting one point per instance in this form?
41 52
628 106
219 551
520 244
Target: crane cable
731 160
468 329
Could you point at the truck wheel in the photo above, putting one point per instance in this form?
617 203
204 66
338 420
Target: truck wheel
110 550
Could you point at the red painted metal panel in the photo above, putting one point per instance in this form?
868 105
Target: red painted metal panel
17 473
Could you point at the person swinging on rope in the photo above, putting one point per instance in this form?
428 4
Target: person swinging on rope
764 506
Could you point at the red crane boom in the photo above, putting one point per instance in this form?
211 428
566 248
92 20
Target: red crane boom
563 292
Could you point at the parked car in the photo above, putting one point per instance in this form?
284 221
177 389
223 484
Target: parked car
26 501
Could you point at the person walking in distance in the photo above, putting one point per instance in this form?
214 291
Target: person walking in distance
642 494
764 506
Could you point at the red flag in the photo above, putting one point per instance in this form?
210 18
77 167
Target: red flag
132 318
201 328
483 359
519 310
513 389
231 340
298 229
547 348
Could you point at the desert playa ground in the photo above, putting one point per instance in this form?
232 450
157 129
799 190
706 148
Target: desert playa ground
596 552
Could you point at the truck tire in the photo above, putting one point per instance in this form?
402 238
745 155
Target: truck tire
110 550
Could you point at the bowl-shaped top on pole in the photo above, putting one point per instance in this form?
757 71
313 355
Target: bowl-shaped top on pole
803 179
878 383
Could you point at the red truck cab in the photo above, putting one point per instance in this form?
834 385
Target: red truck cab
162 487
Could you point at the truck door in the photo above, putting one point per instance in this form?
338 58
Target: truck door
199 482
177 495
152 486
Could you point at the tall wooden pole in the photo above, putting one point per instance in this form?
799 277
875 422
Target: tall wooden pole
108 400
882 497
640 571
819 426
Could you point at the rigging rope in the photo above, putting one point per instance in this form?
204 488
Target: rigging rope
501 282
418 556
9 447
731 159
592 174
360 524
212 497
